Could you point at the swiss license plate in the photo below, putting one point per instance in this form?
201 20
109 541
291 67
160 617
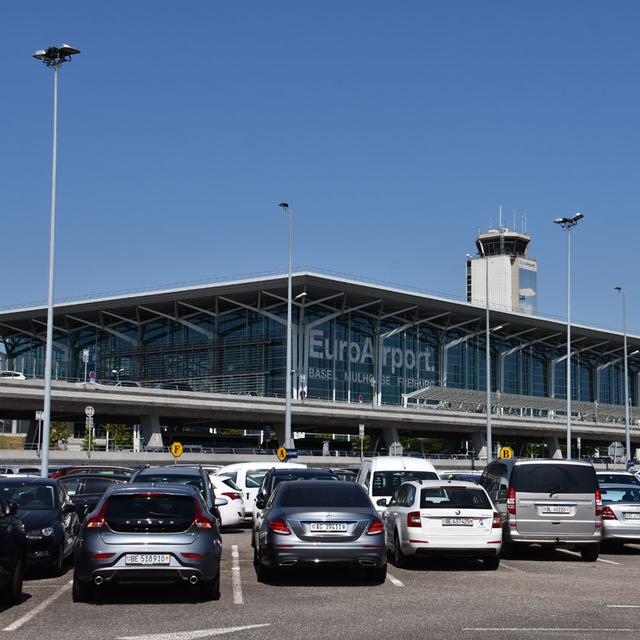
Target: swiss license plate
554 508
328 526
632 516
147 558
457 522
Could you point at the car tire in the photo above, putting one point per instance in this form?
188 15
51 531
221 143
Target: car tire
590 553
58 565
81 591
491 563
377 575
400 560
264 574
13 592
210 590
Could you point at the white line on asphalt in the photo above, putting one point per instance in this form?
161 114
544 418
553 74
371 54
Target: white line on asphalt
506 566
548 629
623 606
235 575
193 635
394 580
576 553
36 610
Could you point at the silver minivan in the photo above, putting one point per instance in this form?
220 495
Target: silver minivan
548 502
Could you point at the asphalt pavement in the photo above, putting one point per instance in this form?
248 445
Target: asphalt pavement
538 594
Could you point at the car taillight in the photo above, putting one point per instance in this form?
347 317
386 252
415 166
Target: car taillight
233 495
191 556
375 527
202 520
279 526
413 519
511 501
608 514
102 556
599 505
497 521
97 521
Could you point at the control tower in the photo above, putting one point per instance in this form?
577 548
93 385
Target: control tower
512 274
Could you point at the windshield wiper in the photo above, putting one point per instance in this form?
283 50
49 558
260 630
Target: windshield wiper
557 490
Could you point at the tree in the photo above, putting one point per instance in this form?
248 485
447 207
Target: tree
59 432
120 435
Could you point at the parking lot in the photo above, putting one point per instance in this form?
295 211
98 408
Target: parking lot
537 594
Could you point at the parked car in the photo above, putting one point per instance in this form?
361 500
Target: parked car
93 469
433 517
174 474
382 476
320 522
548 502
620 513
13 552
464 476
232 513
275 476
149 532
617 477
86 490
12 375
174 386
346 475
19 470
48 515
121 383
248 476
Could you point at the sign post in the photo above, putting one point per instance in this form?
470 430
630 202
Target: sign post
39 418
361 434
284 454
89 412
85 360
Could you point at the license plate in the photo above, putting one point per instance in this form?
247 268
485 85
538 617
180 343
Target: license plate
328 526
556 509
147 558
457 522
632 516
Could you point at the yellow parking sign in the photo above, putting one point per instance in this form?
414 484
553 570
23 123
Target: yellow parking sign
176 449
282 454
505 453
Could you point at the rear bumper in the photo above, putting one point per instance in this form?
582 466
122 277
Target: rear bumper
613 530
280 555
551 539
444 547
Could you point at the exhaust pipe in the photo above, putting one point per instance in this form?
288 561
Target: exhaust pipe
288 563
367 563
193 579
98 580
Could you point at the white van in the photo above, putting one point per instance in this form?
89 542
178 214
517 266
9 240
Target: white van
382 476
248 476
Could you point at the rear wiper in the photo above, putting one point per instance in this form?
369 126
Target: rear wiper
557 490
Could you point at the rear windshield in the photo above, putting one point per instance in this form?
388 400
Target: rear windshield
254 479
161 478
454 498
233 476
632 494
618 478
163 513
385 483
554 478
230 483
309 476
295 494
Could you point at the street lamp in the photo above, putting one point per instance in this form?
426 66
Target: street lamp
627 431
52 57
288 444
117 373
569 224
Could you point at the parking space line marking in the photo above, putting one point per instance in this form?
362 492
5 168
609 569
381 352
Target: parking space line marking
235 575
506 566
576 553
548 629
623 606
37 609
395 581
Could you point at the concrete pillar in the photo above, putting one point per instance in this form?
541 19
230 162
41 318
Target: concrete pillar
480 444
151 432
392 440
553 447
14 427
280 434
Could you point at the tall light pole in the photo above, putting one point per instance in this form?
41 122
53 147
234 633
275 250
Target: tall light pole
288 444
627 431
52 57
569 224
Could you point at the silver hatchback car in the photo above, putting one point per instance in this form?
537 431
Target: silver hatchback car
146 532
313 522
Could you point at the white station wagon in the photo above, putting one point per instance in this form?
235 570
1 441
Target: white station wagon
438 518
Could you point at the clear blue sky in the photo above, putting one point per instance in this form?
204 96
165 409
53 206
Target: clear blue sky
394 130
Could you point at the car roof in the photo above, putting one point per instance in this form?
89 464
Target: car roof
436 484
250 466
617 473
173 470
395 463
94 476
329 484
143 487
619 485
25 479
302 472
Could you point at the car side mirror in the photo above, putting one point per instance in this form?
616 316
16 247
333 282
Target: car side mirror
11 508
69 507
220 502
382 502
261 503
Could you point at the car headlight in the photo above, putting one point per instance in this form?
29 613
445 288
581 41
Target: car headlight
46 532
38 534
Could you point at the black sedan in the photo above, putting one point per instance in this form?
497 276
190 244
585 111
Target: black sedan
49 518
13 547
85 490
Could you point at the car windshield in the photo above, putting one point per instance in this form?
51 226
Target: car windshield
29 497
254 479
294 494
149 512
632 494
618 478
172 478
454 498
554 478
385 483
